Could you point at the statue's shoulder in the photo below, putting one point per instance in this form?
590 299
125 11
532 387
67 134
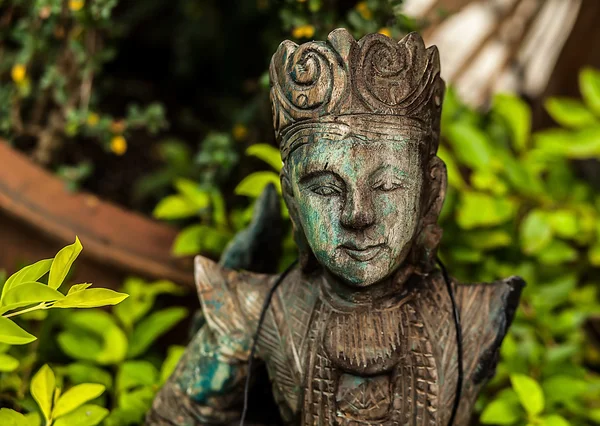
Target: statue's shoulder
231 302
486 312
497 300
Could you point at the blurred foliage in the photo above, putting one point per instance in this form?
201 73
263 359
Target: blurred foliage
91 351
515 206
53 51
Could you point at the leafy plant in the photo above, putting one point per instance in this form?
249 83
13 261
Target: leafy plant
59 409
56 51
193 200
22 293
516 206
121 341
111 352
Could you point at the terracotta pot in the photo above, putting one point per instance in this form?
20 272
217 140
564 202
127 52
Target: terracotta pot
38 216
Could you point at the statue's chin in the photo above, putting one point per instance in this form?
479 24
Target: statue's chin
359 276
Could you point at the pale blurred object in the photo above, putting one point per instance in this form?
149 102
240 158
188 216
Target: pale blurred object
488 46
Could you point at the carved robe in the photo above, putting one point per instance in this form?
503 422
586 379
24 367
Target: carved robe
332 362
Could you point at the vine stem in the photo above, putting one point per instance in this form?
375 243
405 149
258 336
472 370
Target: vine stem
24 311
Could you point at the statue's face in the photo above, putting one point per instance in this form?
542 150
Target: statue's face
359 204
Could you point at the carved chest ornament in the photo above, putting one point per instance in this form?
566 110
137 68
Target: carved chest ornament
365 329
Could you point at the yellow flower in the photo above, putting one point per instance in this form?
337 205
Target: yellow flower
76 5
364 10
303 31
385 31
18 73
45 12
92 119
118 145
239 132
117 126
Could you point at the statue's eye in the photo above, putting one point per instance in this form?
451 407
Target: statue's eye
326 190
388 185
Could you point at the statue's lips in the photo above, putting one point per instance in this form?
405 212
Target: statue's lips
362 254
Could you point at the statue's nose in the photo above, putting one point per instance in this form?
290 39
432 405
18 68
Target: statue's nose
358 212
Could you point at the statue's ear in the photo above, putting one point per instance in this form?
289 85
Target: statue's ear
429 238
436 190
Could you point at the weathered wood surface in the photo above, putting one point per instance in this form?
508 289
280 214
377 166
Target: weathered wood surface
38 216
361 332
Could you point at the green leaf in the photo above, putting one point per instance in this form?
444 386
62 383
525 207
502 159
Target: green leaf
517 115
569 112
175 207
29 273
219 209
62 263
29 294
198 197
564 223
138 402
589 85
79 373
86 415
554 293
90 298
501 412
10 417
141 298
554 420
455 179
12 334
557 252
93 335
78 287
267 153
152 327
487 239
529 392
133 374
8 363
562 389
583 144
594 255
43 385
174 354
200 238
594 415
75 397
535 232
470 145
253 184
33 419
477 209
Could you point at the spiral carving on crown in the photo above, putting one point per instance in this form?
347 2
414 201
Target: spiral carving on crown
396 78
376 75
307 81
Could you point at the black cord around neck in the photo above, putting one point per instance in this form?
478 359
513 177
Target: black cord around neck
261 319
457 325
459 348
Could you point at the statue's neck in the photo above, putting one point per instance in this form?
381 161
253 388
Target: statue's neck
340 294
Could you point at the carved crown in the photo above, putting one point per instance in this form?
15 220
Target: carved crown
382 80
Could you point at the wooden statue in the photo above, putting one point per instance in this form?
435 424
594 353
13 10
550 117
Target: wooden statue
365 330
